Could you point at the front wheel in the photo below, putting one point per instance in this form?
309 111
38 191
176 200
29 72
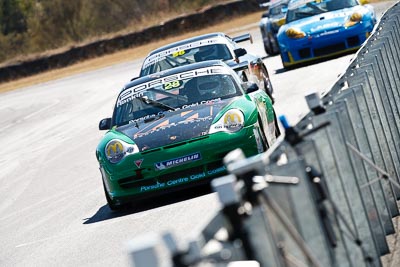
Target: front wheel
268 46
274 46
111 204
277 129
264 140
269 89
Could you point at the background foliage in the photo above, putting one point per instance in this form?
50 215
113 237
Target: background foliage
35 26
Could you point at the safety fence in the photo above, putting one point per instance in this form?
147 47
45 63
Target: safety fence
325 193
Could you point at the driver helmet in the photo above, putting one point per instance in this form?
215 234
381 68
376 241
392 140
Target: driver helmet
209 85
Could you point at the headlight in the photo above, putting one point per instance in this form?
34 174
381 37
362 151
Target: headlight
231 121
280 22
295 33
354 19
116 150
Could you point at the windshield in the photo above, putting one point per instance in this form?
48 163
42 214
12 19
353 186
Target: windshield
156 97
306 8
174 58
277 10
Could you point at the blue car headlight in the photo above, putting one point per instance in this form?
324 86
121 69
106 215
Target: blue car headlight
353 19
231 121
295 33
116 150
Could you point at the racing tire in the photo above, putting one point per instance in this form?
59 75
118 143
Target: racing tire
262 135
268 47
271 48
283 65
277 129
269 89
274 46
111 204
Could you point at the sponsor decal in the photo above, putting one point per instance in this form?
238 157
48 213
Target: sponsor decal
137 91
145 188
138 162
168 124
216 171
204 102
328 33
178 181
180 50
326 26
177 161
182 180
232 120
209 102
172 85
179 53
113 148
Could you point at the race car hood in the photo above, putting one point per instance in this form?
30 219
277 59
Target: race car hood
331 21
173 126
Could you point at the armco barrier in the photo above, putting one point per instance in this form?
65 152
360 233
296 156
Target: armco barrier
325 193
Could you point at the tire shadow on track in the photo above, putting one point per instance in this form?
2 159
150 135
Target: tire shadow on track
105 213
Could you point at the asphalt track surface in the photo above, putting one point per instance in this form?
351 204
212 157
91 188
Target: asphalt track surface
52 208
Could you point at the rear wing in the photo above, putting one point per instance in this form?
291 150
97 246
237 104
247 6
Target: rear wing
242 38
239 66
264 3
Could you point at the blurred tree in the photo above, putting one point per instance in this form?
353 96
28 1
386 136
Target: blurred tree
32 26
12 17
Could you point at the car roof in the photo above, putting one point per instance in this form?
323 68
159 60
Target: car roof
192 66
188 40
278 2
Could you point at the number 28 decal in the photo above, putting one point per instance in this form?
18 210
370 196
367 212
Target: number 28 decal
171 85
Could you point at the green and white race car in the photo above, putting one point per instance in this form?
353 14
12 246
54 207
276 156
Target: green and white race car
171 130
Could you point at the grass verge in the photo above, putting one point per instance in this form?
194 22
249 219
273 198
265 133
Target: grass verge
229 27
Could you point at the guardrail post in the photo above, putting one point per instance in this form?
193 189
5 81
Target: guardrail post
373 63
142 251
376 127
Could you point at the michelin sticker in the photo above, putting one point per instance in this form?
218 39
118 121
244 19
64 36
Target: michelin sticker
177 161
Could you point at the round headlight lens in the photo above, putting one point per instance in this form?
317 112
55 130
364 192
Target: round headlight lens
231 121
295 33
116 150
354 19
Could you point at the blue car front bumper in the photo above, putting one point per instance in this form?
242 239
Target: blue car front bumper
326 44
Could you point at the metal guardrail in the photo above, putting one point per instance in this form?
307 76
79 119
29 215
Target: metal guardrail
325 193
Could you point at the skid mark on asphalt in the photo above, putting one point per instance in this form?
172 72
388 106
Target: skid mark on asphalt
56 102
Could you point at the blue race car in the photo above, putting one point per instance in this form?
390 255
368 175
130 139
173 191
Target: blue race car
318 29
270 23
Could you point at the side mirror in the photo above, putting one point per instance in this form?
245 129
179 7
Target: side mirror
105 124
251 87
240 52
